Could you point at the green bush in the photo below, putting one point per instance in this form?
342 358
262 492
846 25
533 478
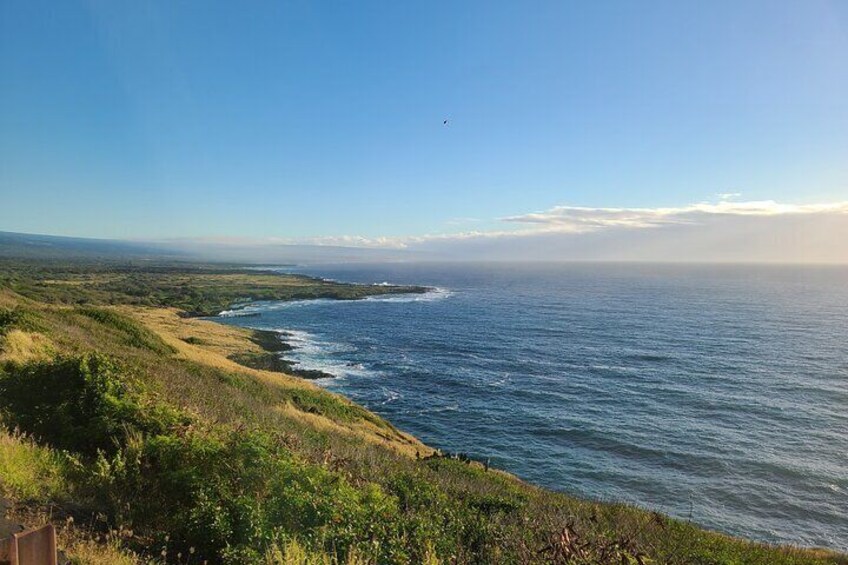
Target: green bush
17 318
8 319
81 404
233 494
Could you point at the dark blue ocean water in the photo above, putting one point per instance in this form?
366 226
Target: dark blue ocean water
713 393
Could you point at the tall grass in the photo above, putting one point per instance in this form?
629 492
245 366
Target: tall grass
29 471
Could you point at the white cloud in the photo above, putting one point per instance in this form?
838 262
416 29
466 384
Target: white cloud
352 241
576 219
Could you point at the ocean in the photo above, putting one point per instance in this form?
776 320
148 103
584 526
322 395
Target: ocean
716 394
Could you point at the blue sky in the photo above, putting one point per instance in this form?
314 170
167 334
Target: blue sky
302 120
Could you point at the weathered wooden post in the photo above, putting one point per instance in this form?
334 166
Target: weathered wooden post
34 547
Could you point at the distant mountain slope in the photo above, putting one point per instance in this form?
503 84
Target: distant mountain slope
33 246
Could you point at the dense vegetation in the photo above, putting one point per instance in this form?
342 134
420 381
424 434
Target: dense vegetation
197 290
166 451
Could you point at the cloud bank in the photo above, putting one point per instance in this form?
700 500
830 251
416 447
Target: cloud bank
723 231
726 230
575 219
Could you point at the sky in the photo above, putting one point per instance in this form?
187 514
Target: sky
573 128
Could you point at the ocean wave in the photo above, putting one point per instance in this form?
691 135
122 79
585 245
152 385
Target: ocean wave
257 308
429 296
437 409
244 312
501 381
312 353
390 395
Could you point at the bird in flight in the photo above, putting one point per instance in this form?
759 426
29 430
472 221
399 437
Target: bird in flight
444 123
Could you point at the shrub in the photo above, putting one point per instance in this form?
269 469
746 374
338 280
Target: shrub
17 318
194 340
80 404
8 319
233 494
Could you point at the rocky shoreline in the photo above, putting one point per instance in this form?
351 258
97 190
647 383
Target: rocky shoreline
271 358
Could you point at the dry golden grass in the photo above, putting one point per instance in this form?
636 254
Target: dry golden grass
19 346
8 299
219 341
218 338
398 441
89 552
78 282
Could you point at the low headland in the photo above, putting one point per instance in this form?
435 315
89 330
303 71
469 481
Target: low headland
149 434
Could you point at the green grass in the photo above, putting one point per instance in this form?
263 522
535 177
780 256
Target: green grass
29 471
128 330
18 318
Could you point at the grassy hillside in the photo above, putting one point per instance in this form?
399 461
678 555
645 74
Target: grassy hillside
130 426
48 247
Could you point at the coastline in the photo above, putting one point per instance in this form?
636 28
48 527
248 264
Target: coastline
188 363
276 342
280 347
369 399
272 358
